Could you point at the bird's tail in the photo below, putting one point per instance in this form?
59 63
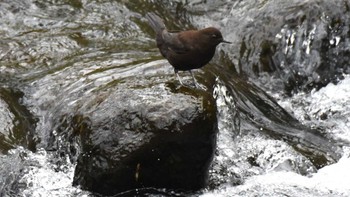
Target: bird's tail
155 22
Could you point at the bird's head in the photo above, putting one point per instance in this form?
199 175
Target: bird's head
213 36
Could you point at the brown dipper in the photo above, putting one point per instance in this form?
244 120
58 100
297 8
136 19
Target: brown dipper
185 50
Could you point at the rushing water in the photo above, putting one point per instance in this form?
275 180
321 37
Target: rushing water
279 170
59 57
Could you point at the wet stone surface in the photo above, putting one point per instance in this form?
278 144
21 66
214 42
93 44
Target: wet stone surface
146 133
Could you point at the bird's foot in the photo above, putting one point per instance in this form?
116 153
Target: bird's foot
196 84
178 78
199 86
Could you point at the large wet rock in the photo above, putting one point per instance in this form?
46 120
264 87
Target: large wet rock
145 133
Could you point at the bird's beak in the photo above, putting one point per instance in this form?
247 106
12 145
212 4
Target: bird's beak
224 41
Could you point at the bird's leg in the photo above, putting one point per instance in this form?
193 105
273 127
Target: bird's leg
196 84
178 77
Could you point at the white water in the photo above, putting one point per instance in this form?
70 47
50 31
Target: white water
329 107
39 177
279 167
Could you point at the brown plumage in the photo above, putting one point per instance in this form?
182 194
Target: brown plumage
185 50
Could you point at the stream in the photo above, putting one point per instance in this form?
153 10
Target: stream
83 86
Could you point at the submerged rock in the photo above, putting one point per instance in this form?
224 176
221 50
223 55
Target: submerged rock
16 122
146 134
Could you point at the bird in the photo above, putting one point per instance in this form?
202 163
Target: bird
185 50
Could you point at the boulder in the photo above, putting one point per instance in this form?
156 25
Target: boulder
145 133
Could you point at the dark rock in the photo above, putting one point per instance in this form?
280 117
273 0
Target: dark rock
146 134
17 124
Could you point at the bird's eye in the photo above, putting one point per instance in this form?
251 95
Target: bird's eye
214 36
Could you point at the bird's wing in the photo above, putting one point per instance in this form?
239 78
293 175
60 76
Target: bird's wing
174 44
